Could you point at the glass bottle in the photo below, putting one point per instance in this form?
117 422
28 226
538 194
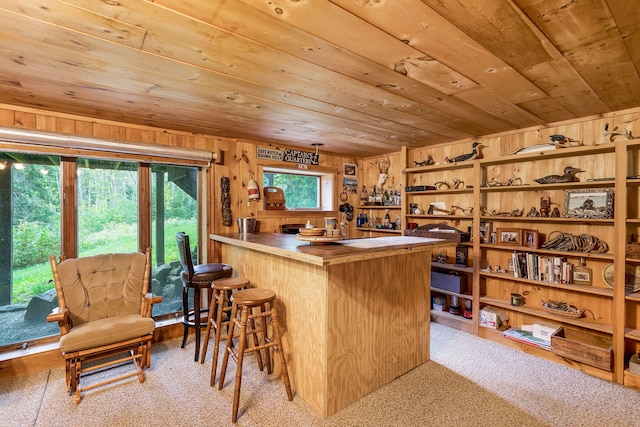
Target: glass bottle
387 219
364 196
385 198
582 275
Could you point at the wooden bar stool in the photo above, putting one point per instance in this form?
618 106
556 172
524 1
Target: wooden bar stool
246 301
220 305
196 277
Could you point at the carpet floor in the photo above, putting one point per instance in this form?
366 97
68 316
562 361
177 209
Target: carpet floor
468 382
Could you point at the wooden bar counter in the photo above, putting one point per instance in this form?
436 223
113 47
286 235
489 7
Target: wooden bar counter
354 314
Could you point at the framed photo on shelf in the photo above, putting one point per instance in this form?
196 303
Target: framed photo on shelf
588 203
531 238
509 236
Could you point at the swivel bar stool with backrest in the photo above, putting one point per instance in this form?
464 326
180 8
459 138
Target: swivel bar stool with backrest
245 301
196 277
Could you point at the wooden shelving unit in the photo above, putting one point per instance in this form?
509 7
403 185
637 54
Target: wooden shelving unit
610 311
378 211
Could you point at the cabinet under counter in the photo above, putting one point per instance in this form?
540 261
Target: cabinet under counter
354 314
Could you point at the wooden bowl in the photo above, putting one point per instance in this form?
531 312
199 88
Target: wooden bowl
311 231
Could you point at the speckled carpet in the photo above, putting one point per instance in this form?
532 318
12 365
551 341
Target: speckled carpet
468 382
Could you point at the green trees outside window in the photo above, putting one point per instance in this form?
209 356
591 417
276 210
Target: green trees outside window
300 191
107 211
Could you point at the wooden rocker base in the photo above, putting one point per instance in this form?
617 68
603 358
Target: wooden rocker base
136 351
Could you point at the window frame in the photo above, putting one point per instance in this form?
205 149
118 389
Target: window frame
201 159
328 177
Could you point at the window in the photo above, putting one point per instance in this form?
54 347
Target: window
174 207
29 233
311 190
108 200
107 206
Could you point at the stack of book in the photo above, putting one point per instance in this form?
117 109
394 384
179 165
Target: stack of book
551 269
526 337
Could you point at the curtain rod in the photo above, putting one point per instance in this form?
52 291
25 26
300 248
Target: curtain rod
63 140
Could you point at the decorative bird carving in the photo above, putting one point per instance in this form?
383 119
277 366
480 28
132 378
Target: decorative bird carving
474 154
569 176
428 161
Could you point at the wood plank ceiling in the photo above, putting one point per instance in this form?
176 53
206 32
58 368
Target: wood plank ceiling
362 77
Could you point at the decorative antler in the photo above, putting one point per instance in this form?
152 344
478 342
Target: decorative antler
382 165
383 169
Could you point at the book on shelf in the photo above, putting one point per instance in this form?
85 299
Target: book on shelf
550 269
526 337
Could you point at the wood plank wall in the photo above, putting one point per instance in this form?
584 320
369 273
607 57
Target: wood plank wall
588 129
232 163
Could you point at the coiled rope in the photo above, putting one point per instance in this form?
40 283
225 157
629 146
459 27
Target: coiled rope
575 243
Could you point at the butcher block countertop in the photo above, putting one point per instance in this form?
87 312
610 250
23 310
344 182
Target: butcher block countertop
344 251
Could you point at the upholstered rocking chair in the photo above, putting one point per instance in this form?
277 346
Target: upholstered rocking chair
104 313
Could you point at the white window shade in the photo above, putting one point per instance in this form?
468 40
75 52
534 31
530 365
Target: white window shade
34 139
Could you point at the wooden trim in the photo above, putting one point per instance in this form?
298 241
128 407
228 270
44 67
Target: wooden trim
203 214
144 207
69 195
619 247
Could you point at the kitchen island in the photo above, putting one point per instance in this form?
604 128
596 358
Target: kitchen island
354 314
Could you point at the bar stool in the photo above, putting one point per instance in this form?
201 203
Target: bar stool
220 305
246 300
197 277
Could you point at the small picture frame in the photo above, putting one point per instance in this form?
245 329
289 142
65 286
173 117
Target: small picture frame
530 239
588 203
349 170
462 254
509 236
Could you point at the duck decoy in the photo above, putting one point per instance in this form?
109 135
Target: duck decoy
426 162
569 176
474 154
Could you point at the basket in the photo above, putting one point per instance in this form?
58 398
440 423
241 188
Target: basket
561 309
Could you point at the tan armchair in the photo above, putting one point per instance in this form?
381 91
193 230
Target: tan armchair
103 311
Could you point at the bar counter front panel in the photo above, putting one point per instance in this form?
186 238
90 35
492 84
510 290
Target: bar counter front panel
354 315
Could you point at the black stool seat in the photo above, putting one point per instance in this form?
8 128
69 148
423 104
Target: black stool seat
207 273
